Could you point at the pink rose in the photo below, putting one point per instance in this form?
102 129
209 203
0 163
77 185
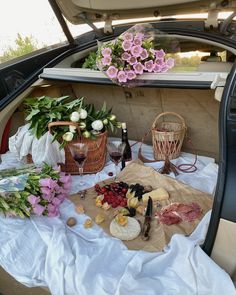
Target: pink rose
112 72
156 68
125 56
126 45
33 200
140 35
106 51
38 209
137 41
144 54
128 36
170 62
160 53
160 61
132 60
136 50
149 66
56 201
130 75
122 77
164 68
138 68
106 60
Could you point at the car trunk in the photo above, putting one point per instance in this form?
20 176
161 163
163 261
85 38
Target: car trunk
138 107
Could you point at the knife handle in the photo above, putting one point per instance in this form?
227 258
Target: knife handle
145 231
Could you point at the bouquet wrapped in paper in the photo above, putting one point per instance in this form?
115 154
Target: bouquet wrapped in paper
131 55
33 190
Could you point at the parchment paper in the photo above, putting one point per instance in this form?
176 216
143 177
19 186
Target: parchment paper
160 234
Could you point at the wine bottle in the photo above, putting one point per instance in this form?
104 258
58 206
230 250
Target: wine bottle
127 154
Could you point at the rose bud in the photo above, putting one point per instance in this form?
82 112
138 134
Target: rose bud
105 121
86 134
112 117
82 125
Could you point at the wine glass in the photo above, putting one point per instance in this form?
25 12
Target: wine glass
79 153
115 150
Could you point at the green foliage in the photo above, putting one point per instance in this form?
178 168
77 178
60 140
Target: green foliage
90 61
24 45
16 203
44 110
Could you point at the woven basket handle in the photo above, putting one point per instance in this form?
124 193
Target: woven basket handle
168 114
140 156
63 123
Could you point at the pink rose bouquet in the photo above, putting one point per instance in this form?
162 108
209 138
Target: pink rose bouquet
131 55
44 190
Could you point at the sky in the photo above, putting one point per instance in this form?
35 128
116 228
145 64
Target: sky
28 17
31 17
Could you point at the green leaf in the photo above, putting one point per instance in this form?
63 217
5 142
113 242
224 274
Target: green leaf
32 113
62 99
104 107
111 126
4 204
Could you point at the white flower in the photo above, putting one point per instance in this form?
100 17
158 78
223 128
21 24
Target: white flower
68 136
72 128
83 114
74 117
97 125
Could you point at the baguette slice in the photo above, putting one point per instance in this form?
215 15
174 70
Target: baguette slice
159 194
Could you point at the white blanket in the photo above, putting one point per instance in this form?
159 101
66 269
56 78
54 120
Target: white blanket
79 261
42 150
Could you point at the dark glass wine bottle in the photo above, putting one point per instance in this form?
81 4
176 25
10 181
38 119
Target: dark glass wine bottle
127 154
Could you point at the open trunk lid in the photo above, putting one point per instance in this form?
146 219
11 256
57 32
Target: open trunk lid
77 11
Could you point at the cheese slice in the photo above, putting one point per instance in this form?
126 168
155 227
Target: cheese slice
159 194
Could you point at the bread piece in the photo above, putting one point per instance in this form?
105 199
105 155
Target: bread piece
159 194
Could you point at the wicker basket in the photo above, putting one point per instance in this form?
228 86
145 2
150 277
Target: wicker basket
168 137
96 156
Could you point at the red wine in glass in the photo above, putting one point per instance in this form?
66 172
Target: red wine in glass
116 157
79 153
79 158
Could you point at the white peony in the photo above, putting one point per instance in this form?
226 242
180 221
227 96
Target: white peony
72 128
74 117
97 125
83 114
68 136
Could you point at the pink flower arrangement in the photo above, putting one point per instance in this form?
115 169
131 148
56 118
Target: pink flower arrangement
131 55
44 191
52 193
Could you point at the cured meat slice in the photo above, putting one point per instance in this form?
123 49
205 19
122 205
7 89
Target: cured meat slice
189 212
169 218
177 212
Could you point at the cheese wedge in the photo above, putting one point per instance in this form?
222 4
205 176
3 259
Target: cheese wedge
159 194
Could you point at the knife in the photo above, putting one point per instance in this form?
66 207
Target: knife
147 221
